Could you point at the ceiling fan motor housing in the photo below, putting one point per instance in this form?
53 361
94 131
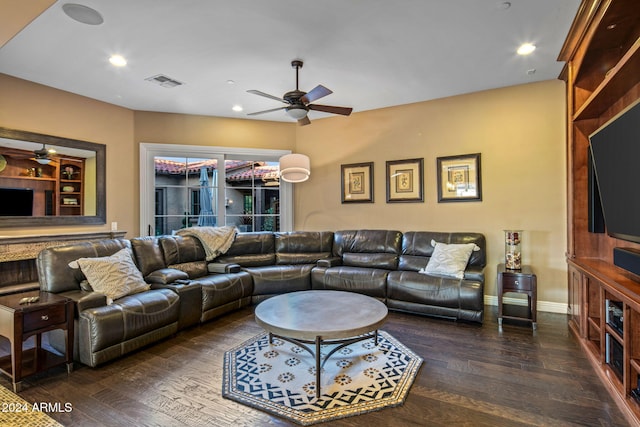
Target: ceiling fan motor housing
42 153
293 97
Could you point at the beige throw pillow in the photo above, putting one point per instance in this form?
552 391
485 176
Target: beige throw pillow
449 259
115 276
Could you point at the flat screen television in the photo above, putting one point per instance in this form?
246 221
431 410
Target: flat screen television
615 149
16 202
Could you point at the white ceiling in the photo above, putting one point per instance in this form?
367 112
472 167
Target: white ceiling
371 53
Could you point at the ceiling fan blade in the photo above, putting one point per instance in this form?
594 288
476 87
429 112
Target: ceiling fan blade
304 121
316 93
265 111
266 95
345 111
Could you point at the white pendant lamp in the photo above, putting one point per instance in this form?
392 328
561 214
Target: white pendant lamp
295 168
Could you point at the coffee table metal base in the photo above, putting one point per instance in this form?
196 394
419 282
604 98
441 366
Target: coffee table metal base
318 343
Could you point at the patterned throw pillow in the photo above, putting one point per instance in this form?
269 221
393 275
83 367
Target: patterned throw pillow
115 276
449 259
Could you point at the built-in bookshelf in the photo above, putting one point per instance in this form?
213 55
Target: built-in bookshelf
602 56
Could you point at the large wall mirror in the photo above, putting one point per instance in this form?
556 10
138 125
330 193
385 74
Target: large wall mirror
47 180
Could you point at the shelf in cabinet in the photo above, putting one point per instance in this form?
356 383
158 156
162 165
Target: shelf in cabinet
613 332
30 178
595 322
614 85
635 364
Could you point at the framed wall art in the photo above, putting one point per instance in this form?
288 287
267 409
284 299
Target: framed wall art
405 180
357 183
459 178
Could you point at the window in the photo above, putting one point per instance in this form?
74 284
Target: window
191 189
253 195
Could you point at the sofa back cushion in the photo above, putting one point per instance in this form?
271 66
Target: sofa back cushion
54 273
302 247
148 254
417 248
368 248
252 249
184 253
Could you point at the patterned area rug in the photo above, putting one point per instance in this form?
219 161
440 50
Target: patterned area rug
17 412
280 378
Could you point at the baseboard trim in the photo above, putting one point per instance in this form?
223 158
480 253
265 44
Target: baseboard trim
548 306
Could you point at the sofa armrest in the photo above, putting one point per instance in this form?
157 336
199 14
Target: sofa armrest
84 300
474 273
190 294
330 262
165 276
223 267
178 286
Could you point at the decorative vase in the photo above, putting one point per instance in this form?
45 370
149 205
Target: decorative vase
512 251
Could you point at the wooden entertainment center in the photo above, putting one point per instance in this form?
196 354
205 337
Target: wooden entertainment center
58 187
602 55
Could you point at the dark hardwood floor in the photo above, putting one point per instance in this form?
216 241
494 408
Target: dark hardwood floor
472 376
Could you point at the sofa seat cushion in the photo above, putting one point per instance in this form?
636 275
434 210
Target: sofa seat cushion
368 281
436 291
221 289
129 317
280 279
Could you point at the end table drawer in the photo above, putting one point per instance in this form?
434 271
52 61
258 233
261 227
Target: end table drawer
519 283
37 319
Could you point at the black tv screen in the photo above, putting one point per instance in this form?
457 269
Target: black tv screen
615 148
16 202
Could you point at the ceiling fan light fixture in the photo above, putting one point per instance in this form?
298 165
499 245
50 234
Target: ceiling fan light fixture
297 112
43 161
295 168
42 155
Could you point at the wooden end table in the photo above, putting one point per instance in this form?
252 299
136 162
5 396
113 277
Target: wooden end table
21 321
521 281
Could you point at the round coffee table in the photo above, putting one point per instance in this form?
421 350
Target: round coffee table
321 317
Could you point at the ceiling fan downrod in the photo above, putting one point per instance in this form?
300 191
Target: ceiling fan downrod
297 64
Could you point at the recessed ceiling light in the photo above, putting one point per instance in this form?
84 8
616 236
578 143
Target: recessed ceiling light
231 82
526 49
118 60
237 108
82 14
504 5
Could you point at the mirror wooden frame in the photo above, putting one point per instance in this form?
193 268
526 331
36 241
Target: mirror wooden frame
101 198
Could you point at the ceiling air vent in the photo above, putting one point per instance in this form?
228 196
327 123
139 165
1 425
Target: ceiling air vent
164 81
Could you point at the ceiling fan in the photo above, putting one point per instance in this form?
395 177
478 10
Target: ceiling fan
42 156
299 102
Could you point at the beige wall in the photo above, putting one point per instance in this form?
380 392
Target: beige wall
167 128
520 133
36 108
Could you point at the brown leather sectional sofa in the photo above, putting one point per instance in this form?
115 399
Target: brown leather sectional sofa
187 290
